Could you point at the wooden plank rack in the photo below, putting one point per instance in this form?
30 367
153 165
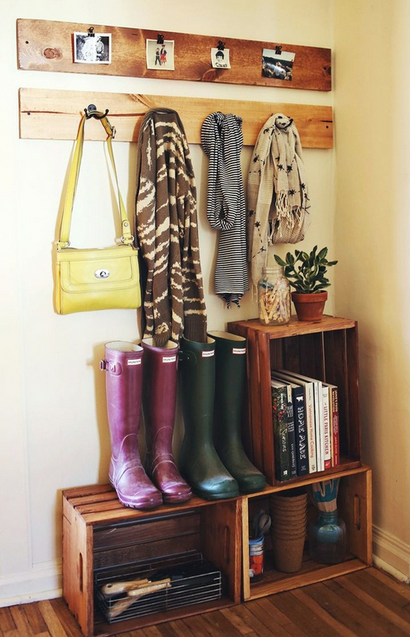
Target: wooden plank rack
44 45
54 114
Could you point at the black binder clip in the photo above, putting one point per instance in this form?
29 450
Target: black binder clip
221 45
278 49
91 33
160 39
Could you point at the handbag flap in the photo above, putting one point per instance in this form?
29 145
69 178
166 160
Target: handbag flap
98 270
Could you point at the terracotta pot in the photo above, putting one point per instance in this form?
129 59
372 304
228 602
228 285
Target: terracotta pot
288 554
295 499
309 307
292 516
289 520
293 528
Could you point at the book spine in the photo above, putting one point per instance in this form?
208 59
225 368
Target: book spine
326 428
334 410
308 387
280 433
291 433
310 424
302 461
320 446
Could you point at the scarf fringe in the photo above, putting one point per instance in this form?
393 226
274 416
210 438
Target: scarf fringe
278 200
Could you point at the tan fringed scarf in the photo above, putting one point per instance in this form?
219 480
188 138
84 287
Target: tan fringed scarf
277 198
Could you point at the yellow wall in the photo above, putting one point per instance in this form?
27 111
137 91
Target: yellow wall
372 91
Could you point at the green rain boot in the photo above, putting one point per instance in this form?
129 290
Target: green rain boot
199 462
230 378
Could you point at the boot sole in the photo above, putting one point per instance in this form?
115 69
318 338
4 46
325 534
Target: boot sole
175 499
139 505
205 495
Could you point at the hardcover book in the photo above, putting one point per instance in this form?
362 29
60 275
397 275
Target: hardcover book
280 430
308 388
334 423
299 420
291 432
327 424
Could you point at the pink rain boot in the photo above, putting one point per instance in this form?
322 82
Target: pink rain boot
159 401
123 365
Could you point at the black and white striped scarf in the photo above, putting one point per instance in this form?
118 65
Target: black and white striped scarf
222 140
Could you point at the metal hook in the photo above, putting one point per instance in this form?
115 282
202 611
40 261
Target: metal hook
91 111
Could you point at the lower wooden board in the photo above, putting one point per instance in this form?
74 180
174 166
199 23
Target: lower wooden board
303 578
55 114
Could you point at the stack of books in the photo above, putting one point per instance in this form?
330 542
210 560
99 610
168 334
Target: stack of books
305 417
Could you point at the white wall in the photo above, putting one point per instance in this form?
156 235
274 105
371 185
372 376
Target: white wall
53 429
372 236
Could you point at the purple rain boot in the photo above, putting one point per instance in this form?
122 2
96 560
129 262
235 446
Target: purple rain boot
123 364
159 402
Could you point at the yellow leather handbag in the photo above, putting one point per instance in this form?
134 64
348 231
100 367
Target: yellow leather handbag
95 278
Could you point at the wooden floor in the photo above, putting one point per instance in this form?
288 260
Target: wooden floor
367 603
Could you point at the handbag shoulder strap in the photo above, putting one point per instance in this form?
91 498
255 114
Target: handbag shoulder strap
74 172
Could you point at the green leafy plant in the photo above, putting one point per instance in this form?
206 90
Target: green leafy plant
306 272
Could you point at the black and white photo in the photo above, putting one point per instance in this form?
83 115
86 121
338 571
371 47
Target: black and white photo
92 48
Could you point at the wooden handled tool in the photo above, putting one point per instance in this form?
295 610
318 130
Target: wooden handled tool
133 595
114 588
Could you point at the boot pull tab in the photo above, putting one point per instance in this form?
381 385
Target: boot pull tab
187 357
113 368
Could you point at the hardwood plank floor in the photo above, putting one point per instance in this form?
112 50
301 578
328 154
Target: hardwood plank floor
368 603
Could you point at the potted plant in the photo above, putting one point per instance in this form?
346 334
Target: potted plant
306 273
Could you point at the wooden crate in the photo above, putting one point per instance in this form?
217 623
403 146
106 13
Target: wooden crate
327 350
99 532
355 508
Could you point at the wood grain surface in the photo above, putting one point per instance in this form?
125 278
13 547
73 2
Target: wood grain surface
45 45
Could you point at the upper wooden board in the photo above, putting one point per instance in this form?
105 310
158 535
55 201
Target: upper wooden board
54 114
45 45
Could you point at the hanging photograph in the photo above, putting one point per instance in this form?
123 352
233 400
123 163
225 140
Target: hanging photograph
277 64
160 56
220 59
92 48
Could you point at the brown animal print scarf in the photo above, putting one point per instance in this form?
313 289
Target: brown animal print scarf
167 231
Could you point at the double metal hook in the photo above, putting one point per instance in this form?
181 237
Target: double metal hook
91 111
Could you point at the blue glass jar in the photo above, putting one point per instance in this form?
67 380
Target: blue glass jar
327 538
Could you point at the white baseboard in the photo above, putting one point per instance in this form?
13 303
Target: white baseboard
42 582
391 555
